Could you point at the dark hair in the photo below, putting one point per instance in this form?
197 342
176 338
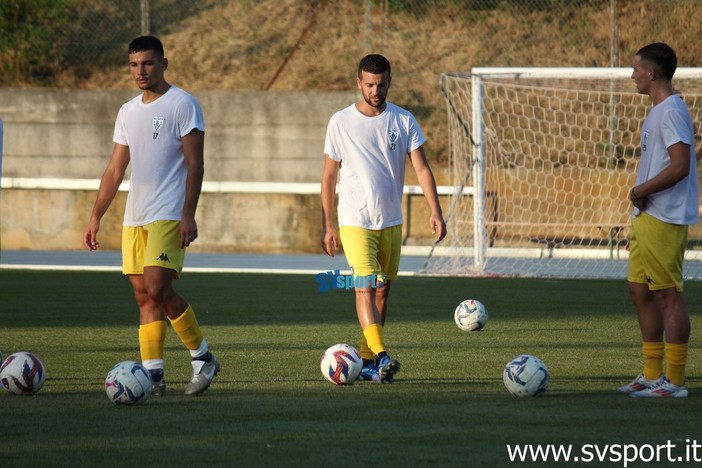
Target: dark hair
375 64
144 43
661 56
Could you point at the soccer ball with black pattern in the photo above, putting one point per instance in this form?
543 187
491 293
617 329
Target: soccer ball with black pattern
22 373
470 315
128 383
526 376
341 364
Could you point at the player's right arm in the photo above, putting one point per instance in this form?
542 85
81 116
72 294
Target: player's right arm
109 184
330 241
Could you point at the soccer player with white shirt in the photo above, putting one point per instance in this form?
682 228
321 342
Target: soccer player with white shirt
161 132
366 147
665 202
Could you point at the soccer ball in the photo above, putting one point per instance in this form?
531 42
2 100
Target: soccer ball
341 364
470 315
525 375
128 383
22 373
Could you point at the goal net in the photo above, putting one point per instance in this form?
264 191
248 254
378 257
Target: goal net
542 161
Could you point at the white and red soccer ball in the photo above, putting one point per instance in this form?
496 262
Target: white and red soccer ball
128 383
526 376
22 373
341 364
470 315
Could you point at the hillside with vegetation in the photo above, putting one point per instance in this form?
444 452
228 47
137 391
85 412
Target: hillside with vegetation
315 45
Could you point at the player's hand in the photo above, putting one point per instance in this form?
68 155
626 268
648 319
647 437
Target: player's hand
330 242
188 232
438 227
637 200
90 235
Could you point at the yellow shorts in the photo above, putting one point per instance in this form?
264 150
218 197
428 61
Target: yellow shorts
656 251
155 244
372 252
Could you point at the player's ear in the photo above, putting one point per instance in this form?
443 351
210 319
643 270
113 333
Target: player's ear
164 63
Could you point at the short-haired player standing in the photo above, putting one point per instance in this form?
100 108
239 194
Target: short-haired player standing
666 202
161 132
366 147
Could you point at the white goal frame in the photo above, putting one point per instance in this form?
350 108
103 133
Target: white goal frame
481 250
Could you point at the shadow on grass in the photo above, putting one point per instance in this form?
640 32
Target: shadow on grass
57 299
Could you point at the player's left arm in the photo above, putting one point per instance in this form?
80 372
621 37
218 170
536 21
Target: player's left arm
678 169
194 153
426 180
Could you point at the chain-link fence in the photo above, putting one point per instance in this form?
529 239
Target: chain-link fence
316 44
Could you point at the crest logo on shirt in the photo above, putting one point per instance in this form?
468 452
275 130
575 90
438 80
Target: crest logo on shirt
157 122
644 140
393 134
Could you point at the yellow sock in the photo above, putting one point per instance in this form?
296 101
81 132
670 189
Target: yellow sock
188 329
151 338
366 353
675 361
374 337
653 359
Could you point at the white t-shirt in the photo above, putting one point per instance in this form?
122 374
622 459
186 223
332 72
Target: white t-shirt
154 133
372 152
669 122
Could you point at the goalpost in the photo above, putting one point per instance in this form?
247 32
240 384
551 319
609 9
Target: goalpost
542 160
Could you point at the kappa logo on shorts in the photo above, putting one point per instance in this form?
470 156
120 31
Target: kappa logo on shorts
393 134
164 258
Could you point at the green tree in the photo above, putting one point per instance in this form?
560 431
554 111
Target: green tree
32 37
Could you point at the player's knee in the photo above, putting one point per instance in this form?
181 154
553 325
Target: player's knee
141 296
158 292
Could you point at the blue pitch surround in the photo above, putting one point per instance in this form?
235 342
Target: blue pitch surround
204 262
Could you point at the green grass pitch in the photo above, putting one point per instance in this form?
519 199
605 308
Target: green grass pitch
270 405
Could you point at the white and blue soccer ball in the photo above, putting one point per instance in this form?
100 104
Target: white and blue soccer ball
470 315
128 383
526 376
22 373
341 364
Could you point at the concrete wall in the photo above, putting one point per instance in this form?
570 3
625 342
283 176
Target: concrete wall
250 137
